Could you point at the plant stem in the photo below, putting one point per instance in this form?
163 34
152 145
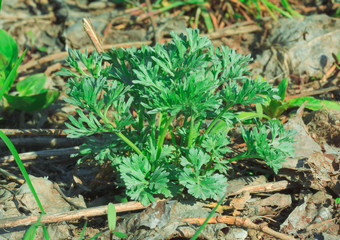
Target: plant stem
212 124
128 142
162 134
121 135
244 156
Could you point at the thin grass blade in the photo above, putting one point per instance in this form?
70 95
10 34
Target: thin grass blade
206 220
83 231
207 19
15 154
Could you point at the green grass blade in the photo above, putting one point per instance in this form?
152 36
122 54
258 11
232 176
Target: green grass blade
206 220
83 231
15 154
337 12
179 3
287 6
30 233
96 236
173 138
207 19
276 8
11 75
269 10
258 9
45 232
0 4
197 16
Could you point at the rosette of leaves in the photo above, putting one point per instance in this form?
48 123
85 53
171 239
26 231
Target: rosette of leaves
167 110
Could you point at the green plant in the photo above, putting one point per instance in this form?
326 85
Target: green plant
31 95
271 7
337 201
111 217
32 38
30 233
200 5
164 114
275 107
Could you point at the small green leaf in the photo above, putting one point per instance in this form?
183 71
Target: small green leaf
33 84
120 234
259 110
34 102
243 116
111 216
282 88
313 103
121 199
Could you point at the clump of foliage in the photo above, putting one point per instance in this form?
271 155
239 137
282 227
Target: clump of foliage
274 108
164 114
30 94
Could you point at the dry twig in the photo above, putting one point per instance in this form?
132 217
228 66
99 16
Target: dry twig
43 153
315 92
264 187
12 176
23 132
45 141
67 216
240 222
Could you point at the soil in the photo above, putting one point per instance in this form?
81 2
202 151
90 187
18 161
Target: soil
300 202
